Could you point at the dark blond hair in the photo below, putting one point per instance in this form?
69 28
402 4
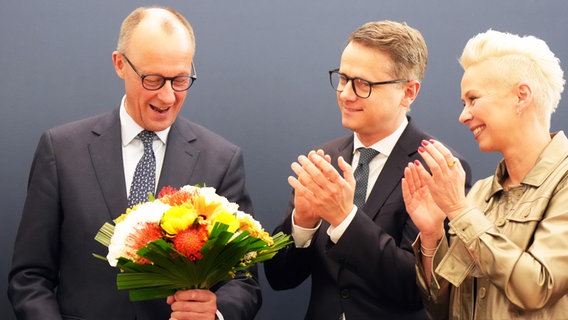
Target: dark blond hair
404 44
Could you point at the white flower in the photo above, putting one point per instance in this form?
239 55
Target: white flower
146 212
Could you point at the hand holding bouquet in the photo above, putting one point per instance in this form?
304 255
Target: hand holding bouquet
189 238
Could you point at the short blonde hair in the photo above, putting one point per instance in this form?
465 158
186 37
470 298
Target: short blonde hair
519 59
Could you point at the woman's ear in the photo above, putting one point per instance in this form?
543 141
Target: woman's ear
524 96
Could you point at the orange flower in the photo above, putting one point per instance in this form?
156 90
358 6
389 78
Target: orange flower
255 230
175 197
145 233
207 210
189 242
166 191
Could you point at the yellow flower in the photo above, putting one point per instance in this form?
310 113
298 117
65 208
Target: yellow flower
177 219
247 223
207 208
228 219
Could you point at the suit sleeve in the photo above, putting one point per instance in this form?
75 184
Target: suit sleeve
239 298
34 273
291 265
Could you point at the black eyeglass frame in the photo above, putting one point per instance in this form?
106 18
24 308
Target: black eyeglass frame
192 77
371 84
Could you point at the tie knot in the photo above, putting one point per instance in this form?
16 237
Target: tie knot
366 154
147 137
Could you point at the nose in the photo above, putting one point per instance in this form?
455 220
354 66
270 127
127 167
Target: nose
466 115
166 93
348 93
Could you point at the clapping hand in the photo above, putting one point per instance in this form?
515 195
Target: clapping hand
320 191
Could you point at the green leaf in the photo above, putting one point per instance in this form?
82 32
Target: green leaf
169 270
105 234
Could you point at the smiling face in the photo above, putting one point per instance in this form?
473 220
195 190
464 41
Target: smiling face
379 115
490 107
155 49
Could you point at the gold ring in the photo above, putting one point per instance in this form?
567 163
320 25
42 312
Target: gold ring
452 163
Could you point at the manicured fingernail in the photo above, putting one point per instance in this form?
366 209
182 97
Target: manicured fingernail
421 149
424 142
416 162
432 140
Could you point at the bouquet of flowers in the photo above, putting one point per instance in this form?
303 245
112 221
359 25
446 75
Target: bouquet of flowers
189 238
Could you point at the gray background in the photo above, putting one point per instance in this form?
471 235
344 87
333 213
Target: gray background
263 83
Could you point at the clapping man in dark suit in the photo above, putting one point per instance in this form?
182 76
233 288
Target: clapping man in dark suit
81 177
359 256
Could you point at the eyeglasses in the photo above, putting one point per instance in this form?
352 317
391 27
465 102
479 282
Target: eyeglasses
361 87
154 82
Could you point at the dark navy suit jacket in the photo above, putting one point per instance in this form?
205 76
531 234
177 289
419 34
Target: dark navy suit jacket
75 185
370 272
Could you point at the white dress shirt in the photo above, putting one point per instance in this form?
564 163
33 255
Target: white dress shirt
133 148
302 236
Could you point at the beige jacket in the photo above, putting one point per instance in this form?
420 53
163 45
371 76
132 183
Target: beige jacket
508 253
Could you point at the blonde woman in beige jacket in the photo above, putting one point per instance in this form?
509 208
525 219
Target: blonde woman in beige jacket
505 255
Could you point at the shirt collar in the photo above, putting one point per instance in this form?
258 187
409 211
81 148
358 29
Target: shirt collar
130 129
550 158
384 146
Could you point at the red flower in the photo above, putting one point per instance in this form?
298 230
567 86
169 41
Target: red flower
175 197
166 191
190 241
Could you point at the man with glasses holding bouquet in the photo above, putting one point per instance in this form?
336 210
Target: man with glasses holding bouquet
354 238
87 172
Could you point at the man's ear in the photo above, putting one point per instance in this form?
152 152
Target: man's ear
411 89
118 62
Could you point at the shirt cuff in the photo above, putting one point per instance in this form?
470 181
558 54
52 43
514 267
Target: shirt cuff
303 236
470 224
336 233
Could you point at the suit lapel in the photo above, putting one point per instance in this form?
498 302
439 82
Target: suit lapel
180 158
106 156
345 150
404 151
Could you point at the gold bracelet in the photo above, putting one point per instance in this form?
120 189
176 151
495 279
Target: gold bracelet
429 250
426 255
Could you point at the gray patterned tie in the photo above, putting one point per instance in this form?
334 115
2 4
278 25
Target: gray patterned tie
144 180
362 175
